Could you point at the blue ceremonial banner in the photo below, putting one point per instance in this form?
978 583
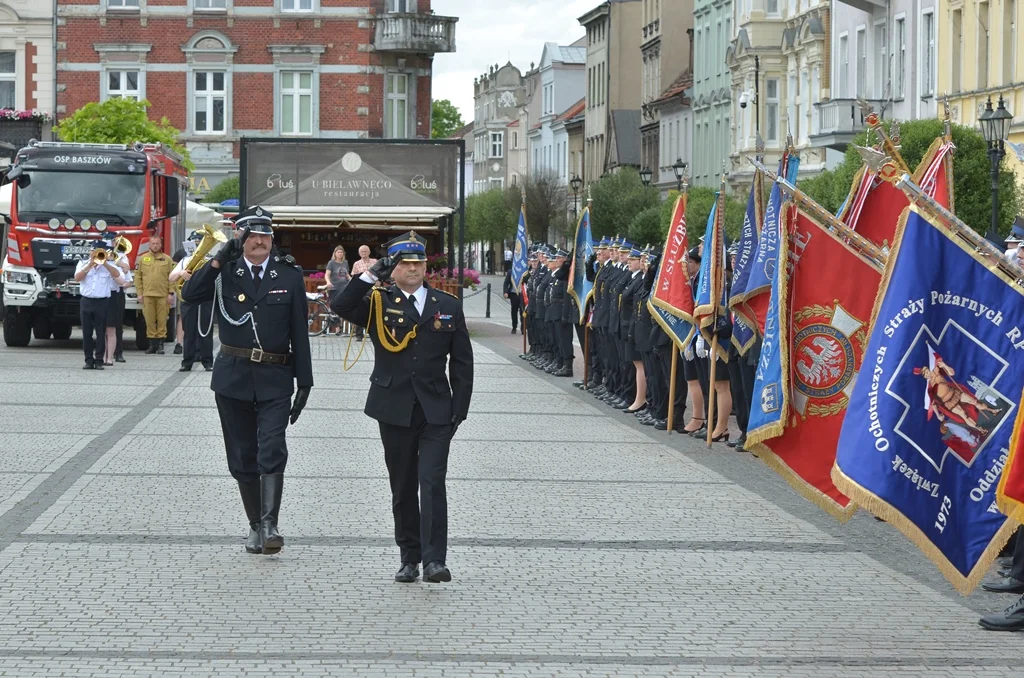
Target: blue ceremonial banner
927 431
749 236
579 287
762 268
771 382
519 255
742 336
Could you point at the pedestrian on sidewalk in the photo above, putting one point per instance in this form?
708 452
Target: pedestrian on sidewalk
417 405
514 299
364 264
264 355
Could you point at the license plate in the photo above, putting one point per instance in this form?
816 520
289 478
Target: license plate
75 252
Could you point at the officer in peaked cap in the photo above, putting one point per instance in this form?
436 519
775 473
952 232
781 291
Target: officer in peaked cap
264 355
417 332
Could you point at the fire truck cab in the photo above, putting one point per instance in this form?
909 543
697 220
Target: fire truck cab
64 197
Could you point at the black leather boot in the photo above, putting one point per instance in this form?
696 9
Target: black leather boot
250 492
160 346
270 490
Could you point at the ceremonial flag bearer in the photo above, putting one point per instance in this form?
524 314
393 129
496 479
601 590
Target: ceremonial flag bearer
417 331
264 353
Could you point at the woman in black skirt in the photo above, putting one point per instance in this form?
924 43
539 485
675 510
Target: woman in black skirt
627 311
691 370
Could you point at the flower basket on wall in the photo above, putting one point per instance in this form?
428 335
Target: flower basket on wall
18 127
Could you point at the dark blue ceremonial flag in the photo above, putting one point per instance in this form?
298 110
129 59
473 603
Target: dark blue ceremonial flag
745 253
927 431
579 287
519 256
762 269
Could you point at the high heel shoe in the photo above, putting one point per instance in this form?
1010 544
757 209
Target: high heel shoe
631 411
690 431
722 438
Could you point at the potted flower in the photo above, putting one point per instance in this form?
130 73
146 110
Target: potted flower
18 127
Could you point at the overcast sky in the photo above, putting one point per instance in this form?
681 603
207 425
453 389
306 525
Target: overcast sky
498 31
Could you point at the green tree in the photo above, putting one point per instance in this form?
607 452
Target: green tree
699 201
618 199
225 190
646 227
489 218
119 121
445 119
971 177
546 209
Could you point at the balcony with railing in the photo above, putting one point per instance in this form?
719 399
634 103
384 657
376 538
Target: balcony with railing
838 122
419 33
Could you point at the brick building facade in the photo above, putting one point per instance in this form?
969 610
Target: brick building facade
223 69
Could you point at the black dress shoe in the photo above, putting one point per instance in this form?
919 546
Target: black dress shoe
185 368
578 384
408 573
564 372
436 572
702 432
1003 572
1004 561
97 366
1010 619
661 425
118 358
177 349
1004 585
208 368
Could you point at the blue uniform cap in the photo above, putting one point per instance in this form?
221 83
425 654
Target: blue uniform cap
625 246
634 253
408 247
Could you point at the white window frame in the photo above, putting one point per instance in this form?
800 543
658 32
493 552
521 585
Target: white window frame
881 56
843 74
861 48
122 5
202 6
515 140
107 93
900 64
393 96
497 142
928 55
297 92
495 182
12 77
768 8
770 115
296 6
211 96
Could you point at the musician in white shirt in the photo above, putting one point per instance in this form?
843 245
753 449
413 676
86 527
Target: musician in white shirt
96 280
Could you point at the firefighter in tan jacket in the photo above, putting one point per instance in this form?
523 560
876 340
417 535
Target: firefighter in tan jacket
152 270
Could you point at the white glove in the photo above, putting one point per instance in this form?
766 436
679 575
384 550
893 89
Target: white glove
688 353
702 348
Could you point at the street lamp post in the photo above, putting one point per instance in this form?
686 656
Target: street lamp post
575 182
645 176
995 127
757 93
679 168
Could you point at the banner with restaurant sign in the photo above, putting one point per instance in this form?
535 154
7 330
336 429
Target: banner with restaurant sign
349 173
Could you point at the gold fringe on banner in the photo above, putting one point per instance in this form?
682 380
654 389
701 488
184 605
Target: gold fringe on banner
805 489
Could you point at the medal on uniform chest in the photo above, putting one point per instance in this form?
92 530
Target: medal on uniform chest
437 321
241 297
273 274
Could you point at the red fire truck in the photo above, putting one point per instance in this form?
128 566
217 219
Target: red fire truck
64 197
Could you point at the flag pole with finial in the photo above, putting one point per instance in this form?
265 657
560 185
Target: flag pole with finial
684 182
717 281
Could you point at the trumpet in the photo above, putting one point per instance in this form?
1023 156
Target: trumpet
210 240
99 256
122 247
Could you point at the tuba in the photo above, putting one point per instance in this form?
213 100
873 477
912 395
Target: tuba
210 240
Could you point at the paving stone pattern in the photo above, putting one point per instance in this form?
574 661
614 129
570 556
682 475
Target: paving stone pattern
582 544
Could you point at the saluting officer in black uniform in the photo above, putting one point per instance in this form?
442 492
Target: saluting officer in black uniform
261 314
416 331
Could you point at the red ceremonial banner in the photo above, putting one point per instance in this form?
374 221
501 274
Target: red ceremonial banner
874 206
829 294
673 292
1010 494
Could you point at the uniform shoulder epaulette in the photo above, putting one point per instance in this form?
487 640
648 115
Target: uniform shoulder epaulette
453 296
290 260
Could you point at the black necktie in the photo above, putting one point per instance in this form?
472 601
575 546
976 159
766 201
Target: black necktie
412 300
256 276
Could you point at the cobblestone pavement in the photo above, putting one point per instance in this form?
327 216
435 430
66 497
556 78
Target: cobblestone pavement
582 544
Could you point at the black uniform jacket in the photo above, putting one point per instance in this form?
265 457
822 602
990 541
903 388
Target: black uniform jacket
280 310
416 373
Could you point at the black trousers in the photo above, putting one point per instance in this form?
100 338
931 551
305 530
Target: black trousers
739 398
1017 563
417 459
655 393
197 347
254 435
93 313
665 359
564 333
119 330
748 372
513 300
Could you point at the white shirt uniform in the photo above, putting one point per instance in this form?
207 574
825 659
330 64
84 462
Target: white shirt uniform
97 283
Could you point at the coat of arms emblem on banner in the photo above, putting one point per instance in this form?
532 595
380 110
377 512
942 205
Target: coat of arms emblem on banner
827 346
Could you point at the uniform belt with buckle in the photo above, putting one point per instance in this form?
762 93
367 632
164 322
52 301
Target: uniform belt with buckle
256 355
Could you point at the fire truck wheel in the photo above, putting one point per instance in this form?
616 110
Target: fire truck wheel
17 328
62 331
141 340
41 327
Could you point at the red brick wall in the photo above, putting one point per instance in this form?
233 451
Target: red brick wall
252 94
30 71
